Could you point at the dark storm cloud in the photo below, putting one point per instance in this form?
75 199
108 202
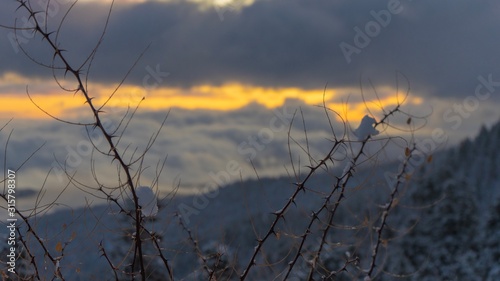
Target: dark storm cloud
442 47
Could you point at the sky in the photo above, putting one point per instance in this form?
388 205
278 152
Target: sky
224 68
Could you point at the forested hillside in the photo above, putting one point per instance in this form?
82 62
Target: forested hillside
456 233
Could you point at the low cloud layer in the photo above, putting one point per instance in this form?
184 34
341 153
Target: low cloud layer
447 50
199 147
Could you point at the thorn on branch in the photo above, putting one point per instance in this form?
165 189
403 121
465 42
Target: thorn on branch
314 216
278 213
33 14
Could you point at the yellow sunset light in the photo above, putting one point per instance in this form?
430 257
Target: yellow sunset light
231 96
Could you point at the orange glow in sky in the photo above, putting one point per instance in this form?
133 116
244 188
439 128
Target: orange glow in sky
226 97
